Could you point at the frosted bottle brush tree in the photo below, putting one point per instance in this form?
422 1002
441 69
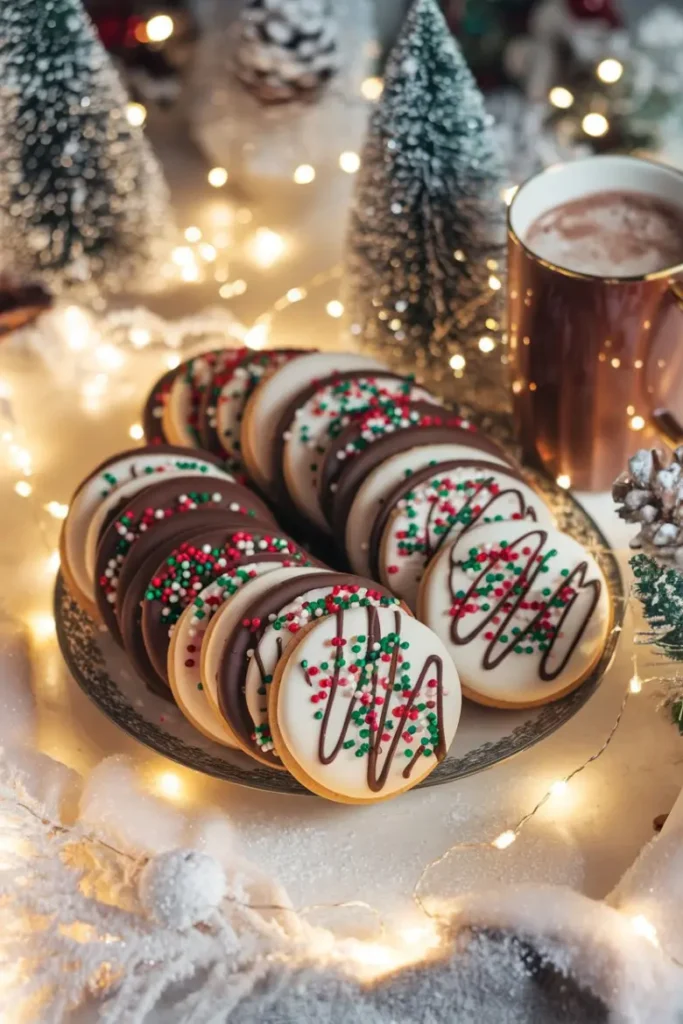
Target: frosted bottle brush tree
427 224
82 199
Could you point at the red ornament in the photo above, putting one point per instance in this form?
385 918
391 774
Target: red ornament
602 10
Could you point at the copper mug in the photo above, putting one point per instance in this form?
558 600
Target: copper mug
597 362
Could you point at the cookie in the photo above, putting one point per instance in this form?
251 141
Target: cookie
439 505
223 371
364 705
184 653
143 514
153 412
314 417
366 428
180 421
227 617
353 475
524 611
260 638
263 411
134 464
225 400
181 575
372 494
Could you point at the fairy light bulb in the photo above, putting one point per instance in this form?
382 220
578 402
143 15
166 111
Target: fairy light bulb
193 234
266 247
609 70
304 174
457 362
159 28
296 295
561 98
644 928
595 125
635 683
335 309
564 481
217 177
136 114
42 626
559 788
23 489
57 510
372 88
495 284
504 840
169 785
349 162
136 432
172 360
486 344
139 337
257 336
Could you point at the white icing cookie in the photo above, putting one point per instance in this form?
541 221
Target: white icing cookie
180 416
224 621
381 482
364 705
124 493
284 628
524 611
321 418
184 654
270 400
142 463
441 507
230 404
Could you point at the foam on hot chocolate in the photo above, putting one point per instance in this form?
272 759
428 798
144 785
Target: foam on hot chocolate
612 234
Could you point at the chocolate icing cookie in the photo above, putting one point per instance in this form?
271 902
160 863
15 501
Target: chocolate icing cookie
356 471
177 580
153 412
370 427
250 632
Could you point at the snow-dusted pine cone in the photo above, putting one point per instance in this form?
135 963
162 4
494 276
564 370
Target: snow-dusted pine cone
288 49
651 493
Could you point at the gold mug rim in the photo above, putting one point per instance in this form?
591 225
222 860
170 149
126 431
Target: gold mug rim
656 275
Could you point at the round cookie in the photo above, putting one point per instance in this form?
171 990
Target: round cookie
315 416
372 494
263 411
367 428
228 616
177 579
180 419
223 372
260 639
360 468
153 412
184 653
435 506
524 611
374 722
225 401
104 479
145 512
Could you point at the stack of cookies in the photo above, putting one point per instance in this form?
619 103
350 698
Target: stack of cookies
312 552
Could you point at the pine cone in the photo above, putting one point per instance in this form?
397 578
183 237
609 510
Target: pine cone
288 49
651 493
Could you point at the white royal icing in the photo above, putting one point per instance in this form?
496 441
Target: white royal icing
379 484
516 678
436 512
347 775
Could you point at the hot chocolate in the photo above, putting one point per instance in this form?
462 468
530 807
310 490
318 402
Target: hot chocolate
610 234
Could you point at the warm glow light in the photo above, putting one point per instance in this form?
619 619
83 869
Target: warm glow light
372 88
349 162
109 357
139 337
76 328
207 252
159 28
635 683
457 362
169 784
244 215
5 389
335 309
136 114
257 336
564 481
266 247
217 177
495 283
52 563
459 255
504 840
560 97
296 294
190 273
136 432
508 194
644 928
609 70
637 423
182 256
486 344
172 360
42 626
595 125
57 510
193 234
559 788
616 363
23 489
304 174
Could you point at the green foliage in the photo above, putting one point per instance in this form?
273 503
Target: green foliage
660 589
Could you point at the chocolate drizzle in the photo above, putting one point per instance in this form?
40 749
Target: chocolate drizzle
507 606
378 772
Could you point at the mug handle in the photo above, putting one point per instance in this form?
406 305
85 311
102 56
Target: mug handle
663 420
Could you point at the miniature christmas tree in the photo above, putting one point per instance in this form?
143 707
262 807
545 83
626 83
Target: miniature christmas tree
82 199
288 49
424 244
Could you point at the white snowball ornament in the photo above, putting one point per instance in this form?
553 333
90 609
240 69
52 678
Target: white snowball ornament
180 888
